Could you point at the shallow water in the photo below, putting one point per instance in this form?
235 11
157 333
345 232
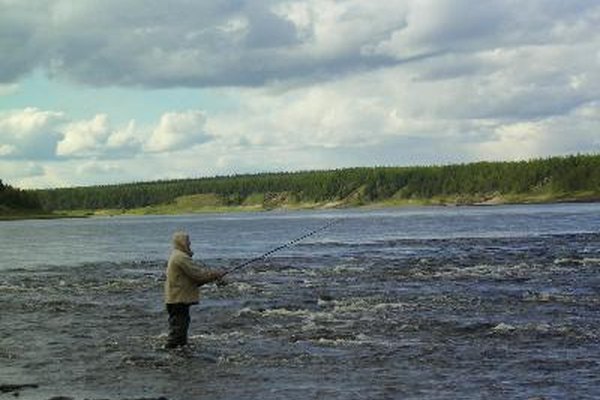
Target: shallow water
426 303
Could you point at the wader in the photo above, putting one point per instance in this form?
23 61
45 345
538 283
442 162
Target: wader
179 322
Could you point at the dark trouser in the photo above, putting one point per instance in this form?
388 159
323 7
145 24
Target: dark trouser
179 322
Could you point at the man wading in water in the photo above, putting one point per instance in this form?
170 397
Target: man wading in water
184 277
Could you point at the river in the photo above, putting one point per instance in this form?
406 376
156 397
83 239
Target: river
413 303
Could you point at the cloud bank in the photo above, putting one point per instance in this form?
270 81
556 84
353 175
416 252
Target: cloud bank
233 42
316 84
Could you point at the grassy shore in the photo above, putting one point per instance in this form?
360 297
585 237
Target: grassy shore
20 215
210 203
496 199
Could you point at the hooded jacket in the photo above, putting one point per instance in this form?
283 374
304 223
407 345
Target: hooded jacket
183 275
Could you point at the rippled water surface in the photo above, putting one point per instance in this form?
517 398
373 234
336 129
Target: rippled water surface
420 303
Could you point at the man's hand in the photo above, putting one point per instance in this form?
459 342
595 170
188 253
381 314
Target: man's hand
221 281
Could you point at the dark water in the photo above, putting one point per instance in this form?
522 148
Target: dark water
427 303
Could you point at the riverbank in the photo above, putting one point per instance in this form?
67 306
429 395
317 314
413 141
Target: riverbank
210 203
16 215
38 215
198 204
494 199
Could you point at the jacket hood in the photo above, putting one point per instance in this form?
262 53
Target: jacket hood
181 242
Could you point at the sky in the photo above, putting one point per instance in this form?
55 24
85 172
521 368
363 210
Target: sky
100 92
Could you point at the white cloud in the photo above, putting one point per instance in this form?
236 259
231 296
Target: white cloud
575 132
29 133
7 149
95 168
28 121
516 141
85 137
97 137
177 131
16 173
33 134
407 141
124 139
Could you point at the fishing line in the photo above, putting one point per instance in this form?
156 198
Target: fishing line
284 246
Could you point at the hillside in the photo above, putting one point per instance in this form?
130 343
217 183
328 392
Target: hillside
572 178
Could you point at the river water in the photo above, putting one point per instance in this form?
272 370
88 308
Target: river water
418 303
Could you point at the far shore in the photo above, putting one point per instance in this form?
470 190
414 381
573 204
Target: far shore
179 208
40 215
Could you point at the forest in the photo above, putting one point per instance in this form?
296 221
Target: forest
13 199
550 179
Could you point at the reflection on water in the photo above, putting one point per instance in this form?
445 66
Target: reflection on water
435 303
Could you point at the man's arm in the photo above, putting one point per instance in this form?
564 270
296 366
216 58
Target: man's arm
199 273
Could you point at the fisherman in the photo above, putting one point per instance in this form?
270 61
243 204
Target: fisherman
184 276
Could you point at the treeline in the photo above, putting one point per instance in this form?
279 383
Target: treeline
552 175
13 199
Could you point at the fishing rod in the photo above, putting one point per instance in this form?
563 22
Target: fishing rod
286 245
